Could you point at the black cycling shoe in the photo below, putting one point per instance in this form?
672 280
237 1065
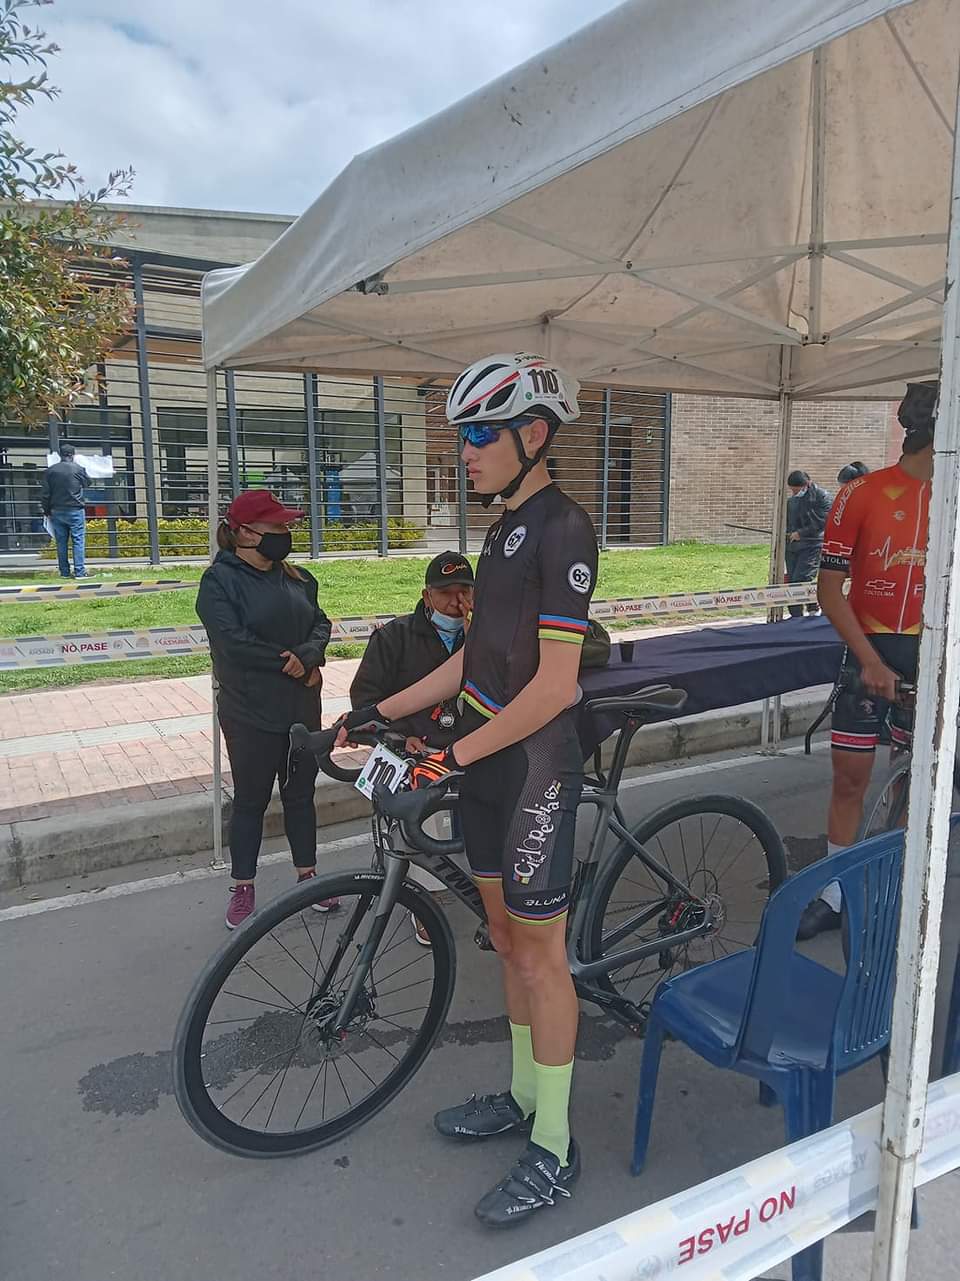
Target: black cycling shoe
483 1116
817 918
536 1180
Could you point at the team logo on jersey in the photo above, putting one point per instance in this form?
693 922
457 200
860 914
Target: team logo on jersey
899 515
579 577
514 540
531 849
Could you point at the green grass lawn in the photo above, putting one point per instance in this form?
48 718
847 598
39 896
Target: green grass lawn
357 587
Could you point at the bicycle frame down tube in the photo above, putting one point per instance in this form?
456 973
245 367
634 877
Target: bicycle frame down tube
453 877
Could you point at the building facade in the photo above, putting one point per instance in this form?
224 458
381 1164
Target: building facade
372 460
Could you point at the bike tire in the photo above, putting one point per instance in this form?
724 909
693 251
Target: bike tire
645 833
890 806
193 1099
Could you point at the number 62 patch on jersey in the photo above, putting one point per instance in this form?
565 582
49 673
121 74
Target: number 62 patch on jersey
579 577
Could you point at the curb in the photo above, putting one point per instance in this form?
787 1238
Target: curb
47 849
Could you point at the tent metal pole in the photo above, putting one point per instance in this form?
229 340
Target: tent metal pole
818 129
233 431
605 477
381 423
313 481
213 515
146 412
931 793
770 719
462 529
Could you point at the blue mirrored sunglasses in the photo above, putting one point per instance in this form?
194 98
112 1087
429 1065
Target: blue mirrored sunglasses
480 434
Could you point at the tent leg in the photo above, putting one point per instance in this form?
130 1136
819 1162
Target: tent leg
931 792
770 720
213 516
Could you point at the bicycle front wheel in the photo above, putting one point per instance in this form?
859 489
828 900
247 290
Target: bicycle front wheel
727 854
259 1069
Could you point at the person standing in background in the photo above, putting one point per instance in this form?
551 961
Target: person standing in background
268 639
851 472
61 497
408 648
807 509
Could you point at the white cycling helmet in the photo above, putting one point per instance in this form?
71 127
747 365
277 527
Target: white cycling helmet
507 385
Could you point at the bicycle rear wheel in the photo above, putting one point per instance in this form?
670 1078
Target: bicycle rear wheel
889 811
724 849
258 1069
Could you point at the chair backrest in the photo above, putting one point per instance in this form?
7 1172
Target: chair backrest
869 876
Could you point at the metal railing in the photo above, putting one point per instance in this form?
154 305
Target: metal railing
372 461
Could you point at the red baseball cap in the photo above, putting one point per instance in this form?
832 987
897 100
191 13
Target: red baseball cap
260 504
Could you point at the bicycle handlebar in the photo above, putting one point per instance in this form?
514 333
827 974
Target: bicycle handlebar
410 808
852 683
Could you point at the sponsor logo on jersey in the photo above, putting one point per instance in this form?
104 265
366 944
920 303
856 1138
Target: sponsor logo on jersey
532 848
844 497
879 585
514 540
833 547
915 556
579 577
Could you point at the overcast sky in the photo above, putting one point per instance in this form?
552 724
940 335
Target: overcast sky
231 104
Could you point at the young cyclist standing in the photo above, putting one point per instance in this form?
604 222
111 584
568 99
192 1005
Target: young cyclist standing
520 757
876 535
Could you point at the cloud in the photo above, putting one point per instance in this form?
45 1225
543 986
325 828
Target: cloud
232 104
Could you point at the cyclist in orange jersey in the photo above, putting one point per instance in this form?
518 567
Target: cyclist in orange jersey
876 536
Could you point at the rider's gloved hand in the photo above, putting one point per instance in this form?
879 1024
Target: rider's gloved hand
436 770
366 720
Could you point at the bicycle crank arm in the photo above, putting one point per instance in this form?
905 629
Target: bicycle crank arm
607 964
396 871
632 1017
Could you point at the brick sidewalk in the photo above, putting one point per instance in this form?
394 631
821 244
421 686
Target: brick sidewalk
91 747
87 748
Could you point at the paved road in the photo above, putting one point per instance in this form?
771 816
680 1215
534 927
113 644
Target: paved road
102 1179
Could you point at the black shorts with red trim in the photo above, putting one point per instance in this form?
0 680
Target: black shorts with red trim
858 718
518 811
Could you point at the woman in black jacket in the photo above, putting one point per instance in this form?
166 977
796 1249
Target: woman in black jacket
268 637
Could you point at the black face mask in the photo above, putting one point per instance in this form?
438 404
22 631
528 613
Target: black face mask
275 547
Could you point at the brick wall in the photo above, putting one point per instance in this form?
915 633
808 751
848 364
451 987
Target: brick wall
723 455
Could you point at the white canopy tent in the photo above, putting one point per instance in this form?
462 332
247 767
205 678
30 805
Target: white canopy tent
744 198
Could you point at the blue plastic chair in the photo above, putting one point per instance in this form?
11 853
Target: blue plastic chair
775 1015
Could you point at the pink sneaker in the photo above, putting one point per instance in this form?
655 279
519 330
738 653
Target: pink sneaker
243 900
325 904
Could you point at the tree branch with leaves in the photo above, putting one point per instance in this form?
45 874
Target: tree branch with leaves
61 307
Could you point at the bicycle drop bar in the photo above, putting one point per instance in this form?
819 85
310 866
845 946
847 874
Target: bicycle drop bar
411 808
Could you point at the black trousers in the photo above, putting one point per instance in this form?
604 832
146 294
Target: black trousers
257 760
803 561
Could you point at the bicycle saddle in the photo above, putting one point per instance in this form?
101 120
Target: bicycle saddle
658 700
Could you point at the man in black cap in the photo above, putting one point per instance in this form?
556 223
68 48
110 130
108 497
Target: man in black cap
408 648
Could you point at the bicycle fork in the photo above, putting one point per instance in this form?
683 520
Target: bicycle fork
395 871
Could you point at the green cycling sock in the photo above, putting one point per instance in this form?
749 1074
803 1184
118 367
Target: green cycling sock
551 1129
523 1085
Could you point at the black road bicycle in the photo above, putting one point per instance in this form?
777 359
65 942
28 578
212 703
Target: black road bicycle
303 1026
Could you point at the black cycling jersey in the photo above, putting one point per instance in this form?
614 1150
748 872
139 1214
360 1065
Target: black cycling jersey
535 577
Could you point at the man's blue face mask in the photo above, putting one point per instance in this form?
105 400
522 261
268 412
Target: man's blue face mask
448 628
